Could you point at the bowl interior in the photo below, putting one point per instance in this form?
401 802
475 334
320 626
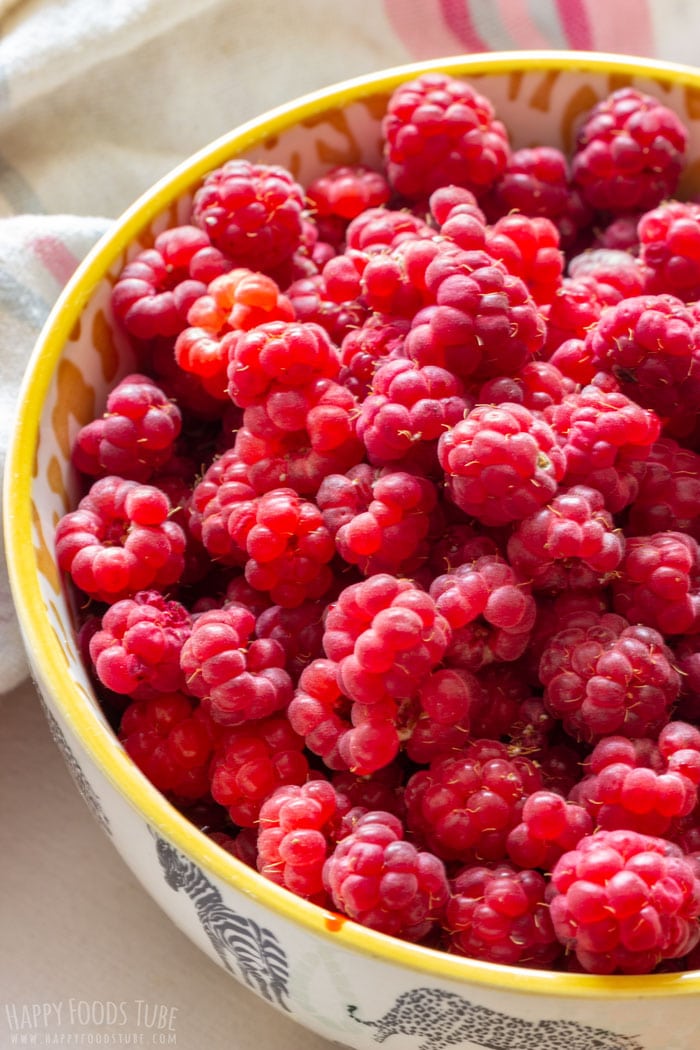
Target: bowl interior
80 354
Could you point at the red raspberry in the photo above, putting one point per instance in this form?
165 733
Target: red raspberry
629 152
239 680
136 651
554 613
571 544
381 881
464 805
408 405
251 762
658 583
628 784
604 436
624 902
135 436
620 234
669 247
490 610
346 735
294 836
537 182
171 741
498 706
239 300
386 635
312 303
609 677
669 492
252 212
322 411
648 342
446 701
156 289
482 321
687 661
500 915
379 229
363 349
529 248
613 270
537 385
575 308
438 131
393 282
275 357
380 519
346 191
299 631
501 464
549 827
120 540
221 504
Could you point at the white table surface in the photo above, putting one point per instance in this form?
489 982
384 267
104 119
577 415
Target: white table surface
78 932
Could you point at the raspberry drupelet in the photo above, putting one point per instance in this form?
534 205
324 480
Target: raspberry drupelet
624 901
171 740
238 679
489 608
135 436
629 152
606 676
252 212
377 878
120 540
500 915
571 544
438 131
501 463
464 805
251 762
136 650
658 583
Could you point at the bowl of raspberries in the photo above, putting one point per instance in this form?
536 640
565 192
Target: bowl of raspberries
353 515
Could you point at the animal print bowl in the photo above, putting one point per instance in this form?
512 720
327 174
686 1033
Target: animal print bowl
350 984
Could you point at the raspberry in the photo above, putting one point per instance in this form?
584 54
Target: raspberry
156 289
529 249
135 436
239 300
393 282
277 356
136 651
120 540
575 308
464 805
537 182
238 680
658 583
386 635
251 762
500 915
497 707
648 343
624 901
604 437
251 212
629 152
481 321
490 610
687 661
609 677
312 303
298 630
537 385
346 191
549 827
571 544
294 836
379 519
363 738
171 741
628 784
221 504
322 411
446 700
501 464
669 247
669 492
554 614
408 405
364 348
613 270
378 229
381 881
438 131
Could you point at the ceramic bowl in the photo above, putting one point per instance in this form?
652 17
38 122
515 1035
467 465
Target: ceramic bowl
351 985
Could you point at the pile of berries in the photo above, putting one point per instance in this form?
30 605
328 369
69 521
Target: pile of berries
387 554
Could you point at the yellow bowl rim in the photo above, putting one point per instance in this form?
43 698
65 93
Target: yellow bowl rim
47 658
